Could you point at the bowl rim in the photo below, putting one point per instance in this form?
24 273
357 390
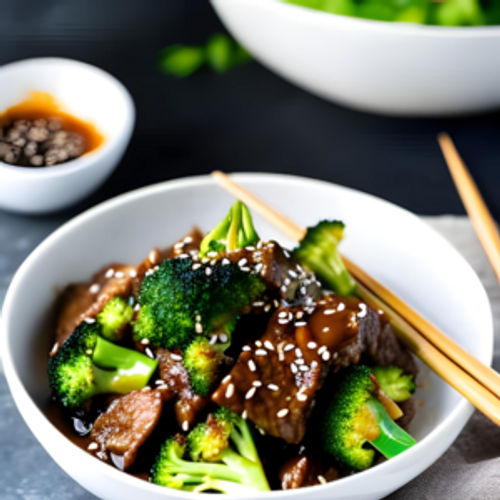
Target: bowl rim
34 416
306 15
91 157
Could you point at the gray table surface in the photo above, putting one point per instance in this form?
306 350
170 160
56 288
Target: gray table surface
28 473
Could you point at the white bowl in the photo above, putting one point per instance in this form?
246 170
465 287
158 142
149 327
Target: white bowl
390 68
88 93
389 242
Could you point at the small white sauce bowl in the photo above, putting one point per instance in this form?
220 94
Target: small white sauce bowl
389 68
87 93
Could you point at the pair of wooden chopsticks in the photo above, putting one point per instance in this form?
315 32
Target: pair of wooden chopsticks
475 381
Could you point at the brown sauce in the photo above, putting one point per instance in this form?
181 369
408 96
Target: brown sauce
42 105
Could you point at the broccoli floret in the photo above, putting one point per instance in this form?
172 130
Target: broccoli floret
212 463
183 299
203 364
87 365
234 231
354 416
114 316
392 380
318 251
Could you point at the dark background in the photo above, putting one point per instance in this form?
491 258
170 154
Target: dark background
247 119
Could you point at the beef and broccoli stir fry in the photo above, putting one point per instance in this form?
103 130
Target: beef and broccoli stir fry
229 364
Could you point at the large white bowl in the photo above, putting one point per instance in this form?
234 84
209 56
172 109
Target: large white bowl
389 242
390 68
87 92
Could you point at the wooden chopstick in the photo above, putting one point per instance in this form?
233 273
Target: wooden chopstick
479 215
439 352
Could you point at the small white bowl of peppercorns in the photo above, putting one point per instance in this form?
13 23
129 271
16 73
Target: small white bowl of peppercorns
64 126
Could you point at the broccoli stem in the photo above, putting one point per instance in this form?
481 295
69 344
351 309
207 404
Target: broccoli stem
120 370
243 439
334 273
251 473
392 440
235 231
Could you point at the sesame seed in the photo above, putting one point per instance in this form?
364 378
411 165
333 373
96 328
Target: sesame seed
300 323
251 365
269 345
155 268
284 289
258 343
196 266
273 387
326 356
286 281
197 318
54 349
242 262
321 479
179 245
258 267
304 368
183 256
176 357
287 255
260 352
244 415
326 329
205 260
299 315
283 314
223 338
363 311
314 364
137 307
145 341
250 394
312 345
94 288
225 261
281 356
212 254
185 426
258 304
246 348
92 446
299 361
213 262
257 383
341 307
88 352
132 273
267 308
276 303
259 244
282 413
322 349
303 290
188 239
89 321
159 382
298 352
109 273
198 328
293 368
213 339
208 271
292 274
327 312
288 347
301 397
229 391
245 269
283 321
119 274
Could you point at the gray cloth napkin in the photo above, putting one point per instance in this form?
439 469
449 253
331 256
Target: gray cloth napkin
470 469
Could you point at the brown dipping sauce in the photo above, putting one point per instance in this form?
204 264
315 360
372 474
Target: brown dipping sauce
44 106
